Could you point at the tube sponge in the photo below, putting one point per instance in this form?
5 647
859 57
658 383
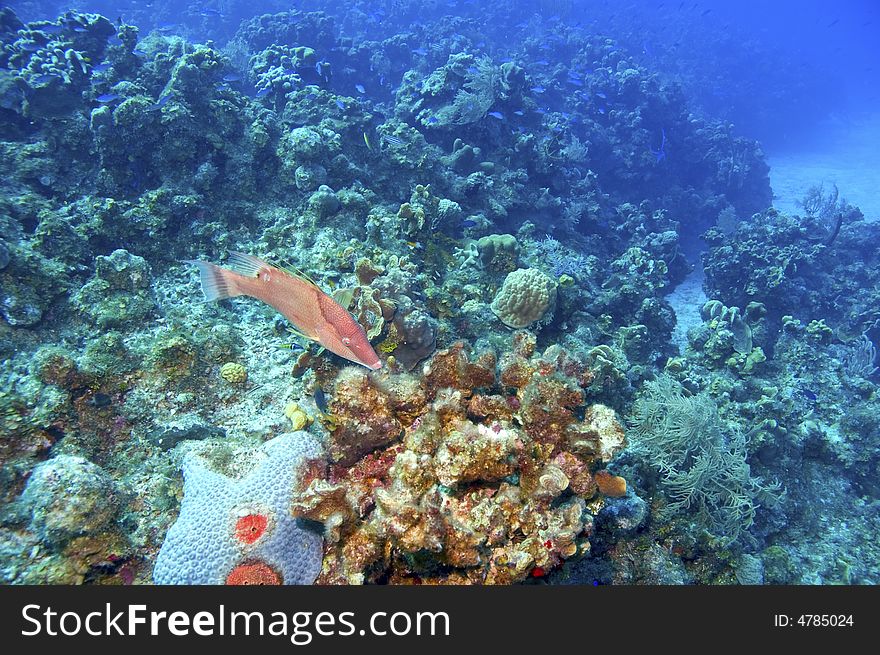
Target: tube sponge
241 531
526 296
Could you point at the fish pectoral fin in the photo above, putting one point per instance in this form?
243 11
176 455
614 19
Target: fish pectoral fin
296 332
344 297
320 351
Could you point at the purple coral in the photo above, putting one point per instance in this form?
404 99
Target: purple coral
559 259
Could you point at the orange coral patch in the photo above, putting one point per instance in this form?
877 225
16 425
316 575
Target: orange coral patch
253 573
251 527
610 485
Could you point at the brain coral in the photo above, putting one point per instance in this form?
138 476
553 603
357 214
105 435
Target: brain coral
525 297
240 531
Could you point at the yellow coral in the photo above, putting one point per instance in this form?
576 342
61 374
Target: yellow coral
297 416
234 373
390 343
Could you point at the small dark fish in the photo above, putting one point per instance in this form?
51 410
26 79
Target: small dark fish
340 104
262 93
320 399
360 88
100 400
103 66
468 223
162 101
834 22
105 98
432 120
232 77
809 395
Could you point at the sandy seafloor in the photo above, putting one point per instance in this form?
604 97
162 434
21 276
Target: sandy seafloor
845 152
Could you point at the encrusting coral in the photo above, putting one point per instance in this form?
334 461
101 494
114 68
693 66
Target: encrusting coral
475 472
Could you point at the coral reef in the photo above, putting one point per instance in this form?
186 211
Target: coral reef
469 474
449 175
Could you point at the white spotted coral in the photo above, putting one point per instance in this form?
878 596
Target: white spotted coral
526 296
241 531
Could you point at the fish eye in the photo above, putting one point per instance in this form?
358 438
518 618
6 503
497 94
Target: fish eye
346 340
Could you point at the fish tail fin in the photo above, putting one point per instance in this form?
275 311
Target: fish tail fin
217 283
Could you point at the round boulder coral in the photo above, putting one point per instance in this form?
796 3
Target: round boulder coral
526 296
234 373
70 496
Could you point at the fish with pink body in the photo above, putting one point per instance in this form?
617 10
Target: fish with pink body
315 314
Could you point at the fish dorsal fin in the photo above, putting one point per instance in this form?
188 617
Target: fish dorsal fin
290 269
246 264
343 297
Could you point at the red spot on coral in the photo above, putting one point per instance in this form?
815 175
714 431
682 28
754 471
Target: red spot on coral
253 573
548 544
250 527
538 572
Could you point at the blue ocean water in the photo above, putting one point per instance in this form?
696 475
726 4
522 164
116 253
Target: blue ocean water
578 292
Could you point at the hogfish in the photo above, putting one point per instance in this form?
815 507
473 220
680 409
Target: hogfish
313 313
